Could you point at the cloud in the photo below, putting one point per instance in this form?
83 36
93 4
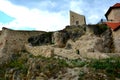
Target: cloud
49 15
49 5
34 18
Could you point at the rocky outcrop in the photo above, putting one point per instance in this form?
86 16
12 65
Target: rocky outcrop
60 38
45 51
42 39
103 43
25 66
86 43
108 42
76 46
64 55
75 31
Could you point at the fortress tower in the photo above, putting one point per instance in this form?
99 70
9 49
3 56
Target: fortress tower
77 19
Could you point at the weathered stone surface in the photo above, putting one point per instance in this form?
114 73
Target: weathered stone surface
116 39
12 41
86 43
75 31
92 43
42 39
45 51
108 43
60 38
75 46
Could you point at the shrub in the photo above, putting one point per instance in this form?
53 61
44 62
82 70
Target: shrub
98 29
76 63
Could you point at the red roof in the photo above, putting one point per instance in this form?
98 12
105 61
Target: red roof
113 25
117 5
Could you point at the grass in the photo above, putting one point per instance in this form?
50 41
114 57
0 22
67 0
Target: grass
51 66
76 63
110 65
19 65
17 62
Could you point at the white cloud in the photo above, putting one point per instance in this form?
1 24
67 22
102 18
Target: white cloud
33 18
76 6
51 15
94 18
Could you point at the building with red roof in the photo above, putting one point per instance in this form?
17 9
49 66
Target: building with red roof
113 16
113 21
113 25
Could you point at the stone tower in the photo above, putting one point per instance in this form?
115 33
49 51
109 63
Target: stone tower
77 19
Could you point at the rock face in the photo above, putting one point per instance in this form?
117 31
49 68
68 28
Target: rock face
75 31
116 39
81 41
38 58
25 66
70 32
108 42
86 43
60 38
45 51
42 39
75 43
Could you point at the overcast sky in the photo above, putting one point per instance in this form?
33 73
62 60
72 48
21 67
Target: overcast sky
49 15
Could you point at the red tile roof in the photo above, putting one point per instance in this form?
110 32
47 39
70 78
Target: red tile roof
117 5
113 25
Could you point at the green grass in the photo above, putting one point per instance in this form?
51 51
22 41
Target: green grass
110 65
76 63
51 66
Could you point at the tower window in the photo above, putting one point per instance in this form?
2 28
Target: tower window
77 22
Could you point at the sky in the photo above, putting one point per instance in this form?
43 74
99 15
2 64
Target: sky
49 15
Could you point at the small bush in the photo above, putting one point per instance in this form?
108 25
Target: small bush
76 63
98 29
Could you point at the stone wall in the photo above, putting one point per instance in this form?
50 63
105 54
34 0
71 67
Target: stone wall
116 37
12 41
114 15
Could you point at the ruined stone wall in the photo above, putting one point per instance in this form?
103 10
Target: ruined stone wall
116 37
12 41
